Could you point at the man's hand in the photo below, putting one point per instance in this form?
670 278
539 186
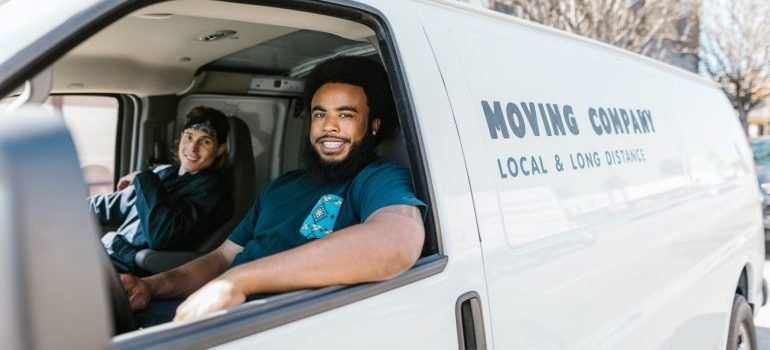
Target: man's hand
216 295
137 290
127 180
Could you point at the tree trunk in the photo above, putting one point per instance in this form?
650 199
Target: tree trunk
743 116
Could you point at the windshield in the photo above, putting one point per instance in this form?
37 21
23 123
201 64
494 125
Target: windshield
761 150
25 21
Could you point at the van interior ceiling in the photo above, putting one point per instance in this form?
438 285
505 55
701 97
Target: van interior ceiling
160 49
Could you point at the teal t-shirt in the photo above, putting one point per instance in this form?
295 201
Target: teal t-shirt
296 208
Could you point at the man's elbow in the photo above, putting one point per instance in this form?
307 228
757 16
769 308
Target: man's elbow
408 251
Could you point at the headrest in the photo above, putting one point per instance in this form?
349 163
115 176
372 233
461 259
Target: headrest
239 134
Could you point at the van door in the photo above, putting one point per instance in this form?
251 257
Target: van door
581 186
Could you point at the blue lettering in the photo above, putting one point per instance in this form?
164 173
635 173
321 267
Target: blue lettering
495 120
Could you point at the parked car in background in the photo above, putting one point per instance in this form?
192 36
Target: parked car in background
761 149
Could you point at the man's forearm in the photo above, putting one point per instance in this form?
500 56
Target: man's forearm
186 279
376 250
385 245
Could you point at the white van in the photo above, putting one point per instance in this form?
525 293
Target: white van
581 197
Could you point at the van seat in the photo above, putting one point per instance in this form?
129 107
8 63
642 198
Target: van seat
394 149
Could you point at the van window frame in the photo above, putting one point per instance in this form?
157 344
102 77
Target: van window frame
252 318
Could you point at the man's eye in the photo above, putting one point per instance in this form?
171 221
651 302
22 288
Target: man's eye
318 115
345 115
207 142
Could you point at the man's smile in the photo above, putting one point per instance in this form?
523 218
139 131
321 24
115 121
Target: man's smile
191 157
331 145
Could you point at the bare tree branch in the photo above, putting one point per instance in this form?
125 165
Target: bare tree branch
735 51
637 25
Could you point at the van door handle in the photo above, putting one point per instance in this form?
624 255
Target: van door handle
470 322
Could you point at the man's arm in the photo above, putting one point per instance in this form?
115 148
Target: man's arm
169 224
385 245
181 281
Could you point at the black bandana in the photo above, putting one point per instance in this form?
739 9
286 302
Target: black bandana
217 128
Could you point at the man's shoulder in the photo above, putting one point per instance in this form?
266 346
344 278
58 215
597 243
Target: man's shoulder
382 167
378 174
383 183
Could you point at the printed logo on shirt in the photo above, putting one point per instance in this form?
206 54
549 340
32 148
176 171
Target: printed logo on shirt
322 218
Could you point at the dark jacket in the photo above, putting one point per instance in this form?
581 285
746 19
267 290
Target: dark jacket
162 211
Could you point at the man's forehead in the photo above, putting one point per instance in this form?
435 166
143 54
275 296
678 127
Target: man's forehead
340 90
339 97
196 133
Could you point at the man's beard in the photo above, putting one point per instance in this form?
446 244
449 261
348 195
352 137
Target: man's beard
360 155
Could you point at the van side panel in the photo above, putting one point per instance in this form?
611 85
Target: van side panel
615 199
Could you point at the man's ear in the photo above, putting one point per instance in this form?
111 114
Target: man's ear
221 149
375 125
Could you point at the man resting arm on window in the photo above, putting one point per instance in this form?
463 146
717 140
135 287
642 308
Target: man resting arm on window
348 217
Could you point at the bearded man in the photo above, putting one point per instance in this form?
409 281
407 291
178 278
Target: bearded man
348 217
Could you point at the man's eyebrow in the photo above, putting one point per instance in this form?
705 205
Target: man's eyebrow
338 109
347 108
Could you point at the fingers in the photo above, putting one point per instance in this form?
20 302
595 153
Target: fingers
127 280
138 304
126 181
215 296
136 291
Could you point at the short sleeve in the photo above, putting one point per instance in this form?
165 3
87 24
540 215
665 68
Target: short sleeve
244 231
380 186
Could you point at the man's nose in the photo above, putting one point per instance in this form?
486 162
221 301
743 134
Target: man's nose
330 123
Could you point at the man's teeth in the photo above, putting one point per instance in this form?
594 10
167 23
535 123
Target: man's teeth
330 144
